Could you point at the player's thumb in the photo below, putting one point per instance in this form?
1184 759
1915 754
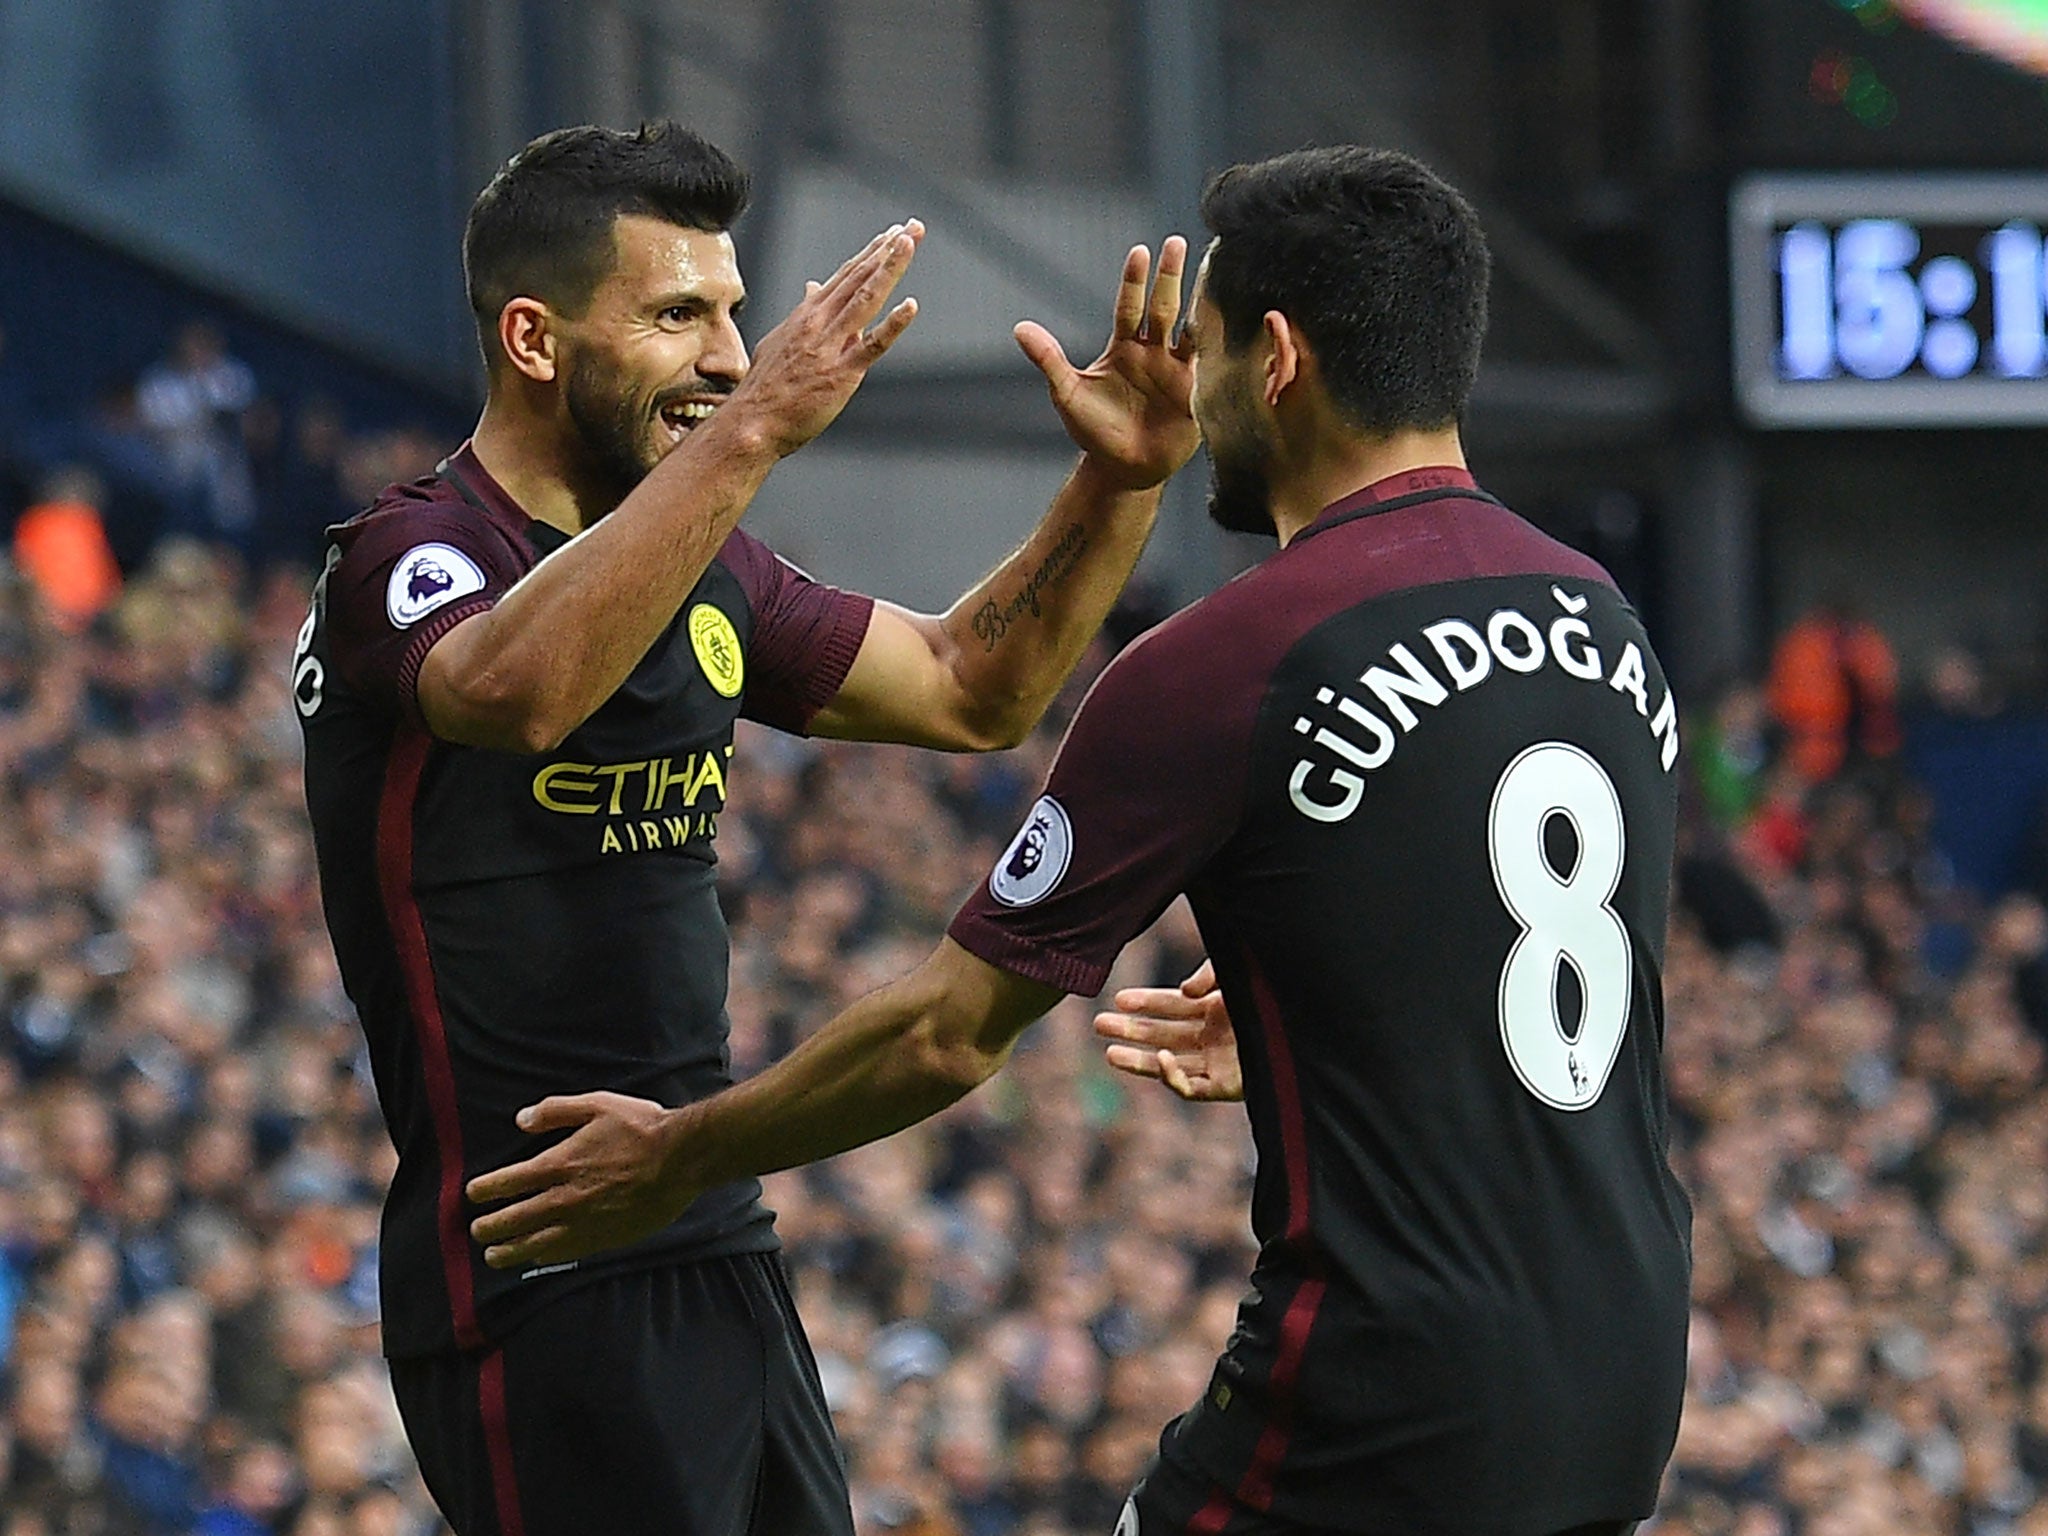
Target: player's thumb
556 1113
1202 982
1045 352
1176 1075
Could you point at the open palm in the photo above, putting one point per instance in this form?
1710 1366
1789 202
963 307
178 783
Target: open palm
1129 409
1179 1035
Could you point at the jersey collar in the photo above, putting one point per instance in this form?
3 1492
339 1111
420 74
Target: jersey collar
465 471
1403 490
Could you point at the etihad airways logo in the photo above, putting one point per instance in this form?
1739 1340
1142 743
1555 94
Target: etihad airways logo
649 805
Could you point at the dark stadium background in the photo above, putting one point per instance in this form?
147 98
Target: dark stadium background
1008 1304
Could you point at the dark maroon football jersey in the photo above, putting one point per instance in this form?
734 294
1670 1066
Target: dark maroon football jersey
1415 774
512 926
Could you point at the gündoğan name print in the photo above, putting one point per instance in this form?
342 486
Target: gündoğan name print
1352 726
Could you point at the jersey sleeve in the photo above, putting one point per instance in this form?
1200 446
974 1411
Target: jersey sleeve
805 636
405 578
1148 785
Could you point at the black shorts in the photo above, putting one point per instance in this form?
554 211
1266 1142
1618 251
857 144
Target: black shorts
1169 1501
681 1401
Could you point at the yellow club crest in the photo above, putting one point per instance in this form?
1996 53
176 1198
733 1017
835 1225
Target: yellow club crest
717 645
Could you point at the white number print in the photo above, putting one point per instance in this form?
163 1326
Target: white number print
309 676
1566 921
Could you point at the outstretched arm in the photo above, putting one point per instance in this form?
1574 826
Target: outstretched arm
630 1167
523 674
979 675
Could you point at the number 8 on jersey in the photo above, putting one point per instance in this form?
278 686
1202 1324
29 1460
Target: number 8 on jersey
1566 922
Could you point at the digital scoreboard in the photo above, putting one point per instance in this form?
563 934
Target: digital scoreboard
1891 300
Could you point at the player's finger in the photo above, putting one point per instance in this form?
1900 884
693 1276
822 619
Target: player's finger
518 1220
814 291
847 267
1201 982
1158 1003
558 1111
1174 1034
1176 1075
517 1179
830 293
1046 354
1164 307
1129 313
1131 1059
543 1247
896 245
884 334
866 290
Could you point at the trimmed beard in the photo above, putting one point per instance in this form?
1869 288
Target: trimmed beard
1240 448
1241 495
616 435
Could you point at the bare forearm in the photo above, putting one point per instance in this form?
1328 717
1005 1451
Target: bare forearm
979 676
562 641
629 1167
893 1058
530 670
875 1069
1017 636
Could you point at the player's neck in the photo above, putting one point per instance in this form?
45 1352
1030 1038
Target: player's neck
521 455
1338 465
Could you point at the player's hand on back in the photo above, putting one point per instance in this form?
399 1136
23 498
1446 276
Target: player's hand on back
807 368
606 1185
1129 409
1179 1035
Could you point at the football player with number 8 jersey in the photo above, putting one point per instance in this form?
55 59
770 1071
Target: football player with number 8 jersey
1415 773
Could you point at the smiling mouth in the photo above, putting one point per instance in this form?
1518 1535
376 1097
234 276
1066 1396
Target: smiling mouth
683 416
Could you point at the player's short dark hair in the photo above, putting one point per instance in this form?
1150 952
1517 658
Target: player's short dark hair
543 227
1374 258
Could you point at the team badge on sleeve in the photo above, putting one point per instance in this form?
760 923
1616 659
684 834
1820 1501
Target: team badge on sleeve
717 645
1035 862
428 577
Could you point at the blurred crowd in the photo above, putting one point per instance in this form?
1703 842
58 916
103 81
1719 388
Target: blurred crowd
1006 1304
191 447
1009 1302
1857 1018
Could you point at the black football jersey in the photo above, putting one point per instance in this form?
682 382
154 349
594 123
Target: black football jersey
513 926
1415 773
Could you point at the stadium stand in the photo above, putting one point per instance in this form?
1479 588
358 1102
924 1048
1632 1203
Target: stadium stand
1009 1303
1006 1304
198 415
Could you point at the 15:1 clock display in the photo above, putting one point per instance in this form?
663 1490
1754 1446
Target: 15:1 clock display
1891 300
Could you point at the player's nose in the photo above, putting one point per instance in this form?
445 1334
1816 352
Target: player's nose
725 356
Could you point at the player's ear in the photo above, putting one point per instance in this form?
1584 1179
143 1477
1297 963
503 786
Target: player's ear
1283 355
527 336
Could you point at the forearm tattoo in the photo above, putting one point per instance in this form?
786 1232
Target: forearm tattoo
993 619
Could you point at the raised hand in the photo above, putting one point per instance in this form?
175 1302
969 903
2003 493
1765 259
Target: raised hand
1129 408
807 368
1180 1035
606 1185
